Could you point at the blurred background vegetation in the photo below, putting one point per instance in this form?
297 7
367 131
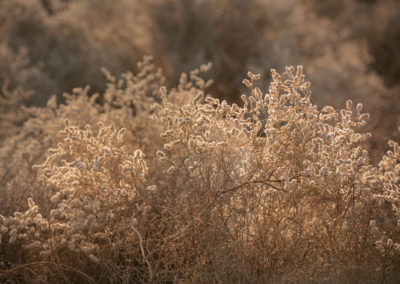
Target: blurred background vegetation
349 48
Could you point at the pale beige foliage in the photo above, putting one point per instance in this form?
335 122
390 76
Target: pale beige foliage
156 185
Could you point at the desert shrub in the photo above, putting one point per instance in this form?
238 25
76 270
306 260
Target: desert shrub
148 184
63 50
380 38
53 46
29 132
267 34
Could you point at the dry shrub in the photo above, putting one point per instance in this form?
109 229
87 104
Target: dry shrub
67 47
151 185
52 46
374 23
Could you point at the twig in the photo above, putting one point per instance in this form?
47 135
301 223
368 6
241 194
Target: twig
141 246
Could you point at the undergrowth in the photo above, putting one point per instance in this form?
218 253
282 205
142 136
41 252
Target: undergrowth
147 184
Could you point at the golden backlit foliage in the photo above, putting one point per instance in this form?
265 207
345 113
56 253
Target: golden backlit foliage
174 173
52 46
171 185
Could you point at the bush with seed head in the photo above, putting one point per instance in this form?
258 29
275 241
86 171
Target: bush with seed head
276 189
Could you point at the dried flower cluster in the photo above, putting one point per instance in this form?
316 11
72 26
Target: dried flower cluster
157 185
52 46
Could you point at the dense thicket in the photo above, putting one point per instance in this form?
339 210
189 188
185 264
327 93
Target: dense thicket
156 175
